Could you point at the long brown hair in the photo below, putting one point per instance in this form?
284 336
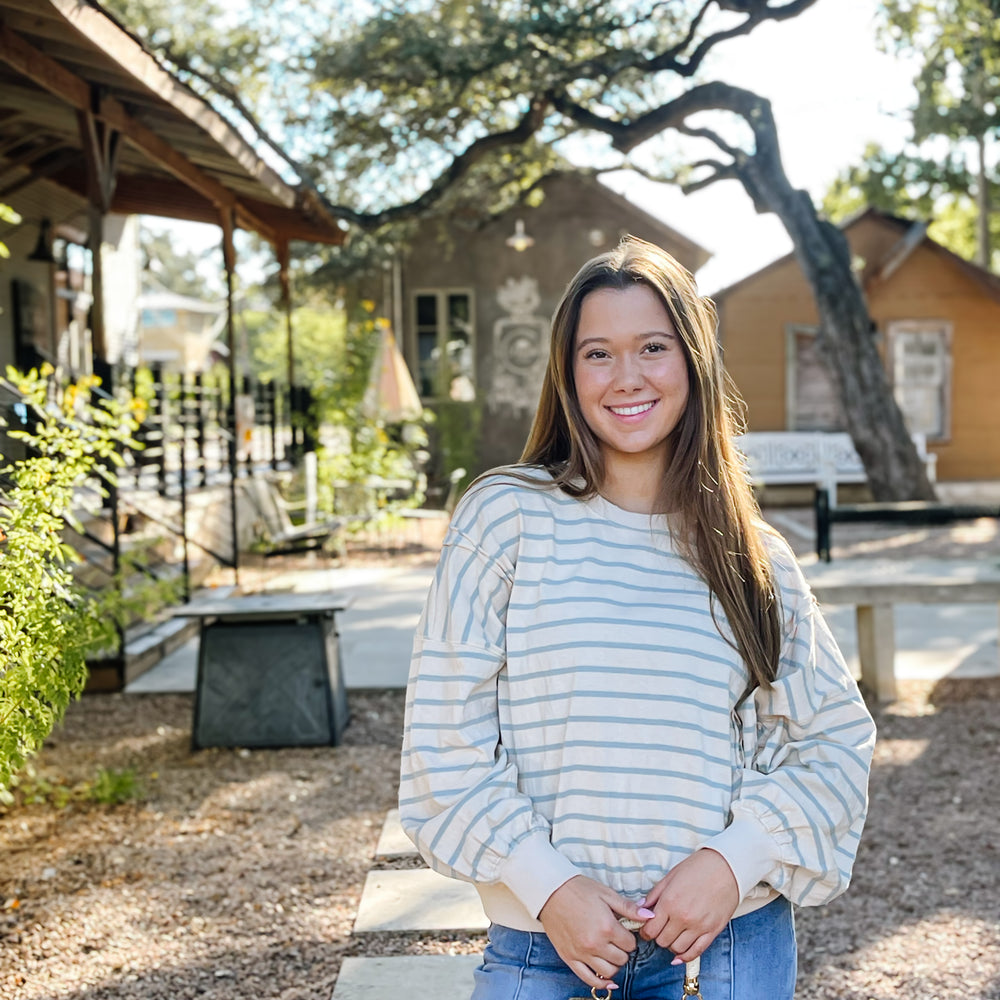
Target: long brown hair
715 518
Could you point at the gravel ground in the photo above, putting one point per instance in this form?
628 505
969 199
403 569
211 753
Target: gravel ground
238 873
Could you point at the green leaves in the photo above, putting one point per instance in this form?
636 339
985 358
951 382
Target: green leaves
47 624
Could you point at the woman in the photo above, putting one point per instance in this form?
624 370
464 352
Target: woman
624 705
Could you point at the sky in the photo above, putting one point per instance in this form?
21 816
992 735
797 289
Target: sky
832 93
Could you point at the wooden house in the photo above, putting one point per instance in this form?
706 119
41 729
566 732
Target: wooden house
937 322
474 305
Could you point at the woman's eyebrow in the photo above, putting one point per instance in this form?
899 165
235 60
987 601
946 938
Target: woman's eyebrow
639 336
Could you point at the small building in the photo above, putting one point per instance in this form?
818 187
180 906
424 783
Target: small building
474 307
179 332
937 323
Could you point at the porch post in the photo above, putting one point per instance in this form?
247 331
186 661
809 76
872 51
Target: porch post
101 145
281 251
227 221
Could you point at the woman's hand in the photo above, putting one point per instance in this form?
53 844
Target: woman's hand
581 920
692 903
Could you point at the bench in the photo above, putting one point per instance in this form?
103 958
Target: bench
874 586
821 458
915 512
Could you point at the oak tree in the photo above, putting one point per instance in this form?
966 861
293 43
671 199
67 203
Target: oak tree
408 110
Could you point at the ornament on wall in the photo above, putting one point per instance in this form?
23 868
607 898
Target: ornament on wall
520 346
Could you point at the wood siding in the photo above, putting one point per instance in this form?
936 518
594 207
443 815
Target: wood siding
929 284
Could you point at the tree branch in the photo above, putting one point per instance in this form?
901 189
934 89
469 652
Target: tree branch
224 89
529 124
757 12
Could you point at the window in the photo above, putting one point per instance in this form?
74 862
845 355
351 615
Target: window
920 368
811 402
445 341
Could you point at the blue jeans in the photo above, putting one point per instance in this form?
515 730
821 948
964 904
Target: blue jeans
753 958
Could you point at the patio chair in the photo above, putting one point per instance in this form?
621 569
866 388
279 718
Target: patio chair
283 536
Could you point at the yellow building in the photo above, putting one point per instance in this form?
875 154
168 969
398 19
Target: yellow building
937 323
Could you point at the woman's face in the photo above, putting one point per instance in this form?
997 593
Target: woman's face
630 373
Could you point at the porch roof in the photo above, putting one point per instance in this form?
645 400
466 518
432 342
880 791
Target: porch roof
176 157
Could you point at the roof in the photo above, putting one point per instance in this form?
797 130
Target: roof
912 234
176 157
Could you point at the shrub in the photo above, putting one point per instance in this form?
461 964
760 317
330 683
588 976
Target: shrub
48 625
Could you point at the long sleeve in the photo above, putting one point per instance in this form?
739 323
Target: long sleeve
798 816
459 798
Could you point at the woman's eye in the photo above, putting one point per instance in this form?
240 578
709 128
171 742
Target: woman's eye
655 348
596 353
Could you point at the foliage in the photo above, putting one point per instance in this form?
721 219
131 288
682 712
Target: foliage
177 269
319 332
456 431
912 187
108 787
7 214
334 353
47 624
945 174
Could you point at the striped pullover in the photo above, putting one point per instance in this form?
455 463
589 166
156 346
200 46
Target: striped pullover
571 709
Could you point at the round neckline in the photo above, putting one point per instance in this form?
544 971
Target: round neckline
629 518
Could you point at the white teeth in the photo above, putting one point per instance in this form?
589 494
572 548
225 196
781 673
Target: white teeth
631 411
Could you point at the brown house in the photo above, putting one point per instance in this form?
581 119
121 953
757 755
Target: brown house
937 320
474 307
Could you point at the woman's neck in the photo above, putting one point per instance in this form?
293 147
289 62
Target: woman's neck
636 486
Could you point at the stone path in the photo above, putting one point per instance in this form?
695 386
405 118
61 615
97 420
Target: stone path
410 899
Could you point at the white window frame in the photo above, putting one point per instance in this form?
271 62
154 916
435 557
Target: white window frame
896 330
442 294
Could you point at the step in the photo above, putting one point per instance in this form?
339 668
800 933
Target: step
392 842
392 977
418 900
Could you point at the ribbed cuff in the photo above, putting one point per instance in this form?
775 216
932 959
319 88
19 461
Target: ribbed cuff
534 871
749 850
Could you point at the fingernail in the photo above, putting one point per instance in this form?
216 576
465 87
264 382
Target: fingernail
677 961
645 914
610 986
641 902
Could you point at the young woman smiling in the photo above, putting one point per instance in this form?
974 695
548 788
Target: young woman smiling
624 709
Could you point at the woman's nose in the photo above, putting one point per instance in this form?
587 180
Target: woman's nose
627 374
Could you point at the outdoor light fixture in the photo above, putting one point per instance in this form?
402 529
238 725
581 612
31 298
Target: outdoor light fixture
43 248
520 240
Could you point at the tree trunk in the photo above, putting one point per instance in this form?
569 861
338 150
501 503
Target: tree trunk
846 338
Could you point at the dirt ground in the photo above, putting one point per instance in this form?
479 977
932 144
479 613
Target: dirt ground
237 874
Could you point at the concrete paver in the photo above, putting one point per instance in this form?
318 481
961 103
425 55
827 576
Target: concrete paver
389 978
392 842
418 900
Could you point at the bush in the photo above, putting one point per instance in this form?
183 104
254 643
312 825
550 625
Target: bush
49 625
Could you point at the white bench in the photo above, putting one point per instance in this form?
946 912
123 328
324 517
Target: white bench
821 458
874 586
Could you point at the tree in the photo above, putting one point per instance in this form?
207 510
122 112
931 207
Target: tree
425 108
909 185
958 91
176 269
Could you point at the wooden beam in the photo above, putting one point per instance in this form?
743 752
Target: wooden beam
57 80
40 172
124 50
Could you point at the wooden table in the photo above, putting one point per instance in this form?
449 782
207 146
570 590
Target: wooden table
873 586
268 671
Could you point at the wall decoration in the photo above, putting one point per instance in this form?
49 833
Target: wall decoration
520 347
